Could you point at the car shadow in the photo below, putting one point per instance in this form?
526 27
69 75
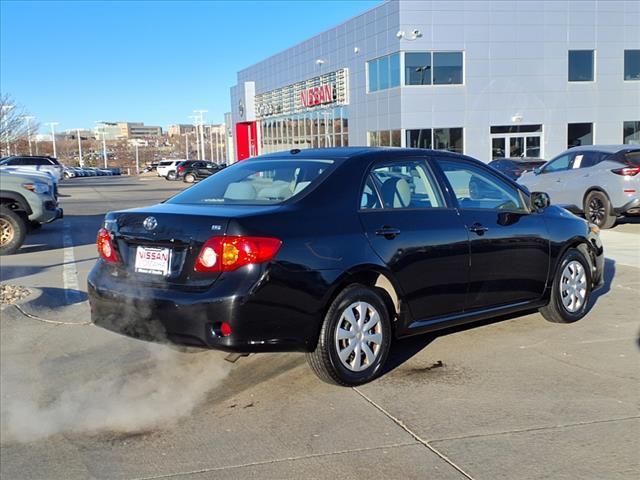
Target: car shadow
51 236
11 272
402 350
52 298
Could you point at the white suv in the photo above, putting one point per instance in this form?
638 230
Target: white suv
35 163
167 166
600 181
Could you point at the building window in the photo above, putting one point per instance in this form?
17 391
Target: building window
451 139
433 68
384 138
384 72
579 134
447 68
326 127
417 68
581 65
631 133
632 64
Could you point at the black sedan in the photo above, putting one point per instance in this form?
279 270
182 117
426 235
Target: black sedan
193 170
515 167
337 252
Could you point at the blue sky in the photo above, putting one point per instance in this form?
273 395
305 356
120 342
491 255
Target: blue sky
152 61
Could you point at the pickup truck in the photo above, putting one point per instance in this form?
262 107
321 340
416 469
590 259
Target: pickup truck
25 201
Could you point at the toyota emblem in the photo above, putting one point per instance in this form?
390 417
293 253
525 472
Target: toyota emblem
150 223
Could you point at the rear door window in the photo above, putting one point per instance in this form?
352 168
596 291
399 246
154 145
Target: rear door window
587 159
401 184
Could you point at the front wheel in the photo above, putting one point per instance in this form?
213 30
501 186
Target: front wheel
189 178
571 289
171 176
354 339
13 229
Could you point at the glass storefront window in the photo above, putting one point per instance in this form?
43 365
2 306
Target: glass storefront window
579 134
632 64
384 138
448 139
447 68
420 138
326 127
417 68
384 72
581 65
631 133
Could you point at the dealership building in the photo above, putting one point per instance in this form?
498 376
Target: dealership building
488 78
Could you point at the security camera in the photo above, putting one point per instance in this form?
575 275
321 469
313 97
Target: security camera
416 33
400 34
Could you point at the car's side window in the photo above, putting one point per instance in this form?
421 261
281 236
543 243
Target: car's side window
587 159
474 187
559 164
402 184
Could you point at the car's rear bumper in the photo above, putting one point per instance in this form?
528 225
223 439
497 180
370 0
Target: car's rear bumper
263 315
632 207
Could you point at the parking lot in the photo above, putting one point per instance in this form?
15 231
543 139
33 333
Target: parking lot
518 398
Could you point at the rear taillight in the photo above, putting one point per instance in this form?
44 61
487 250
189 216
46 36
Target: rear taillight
105 246
224 254
181 169
630 171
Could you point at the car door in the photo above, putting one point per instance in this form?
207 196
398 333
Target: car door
555 179
509 247
419 237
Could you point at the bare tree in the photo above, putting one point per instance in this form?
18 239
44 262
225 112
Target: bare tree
15 124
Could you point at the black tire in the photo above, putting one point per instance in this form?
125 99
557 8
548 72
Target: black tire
189 178
34 226
171 176
556 311
325 360
13 229
597 210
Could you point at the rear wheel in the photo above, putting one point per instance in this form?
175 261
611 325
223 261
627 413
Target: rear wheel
354 339
597 210
13 229
571 290
189 178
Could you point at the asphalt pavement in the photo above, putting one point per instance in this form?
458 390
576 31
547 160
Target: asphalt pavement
518 398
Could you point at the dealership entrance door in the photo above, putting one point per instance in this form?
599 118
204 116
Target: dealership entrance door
514 141
246 140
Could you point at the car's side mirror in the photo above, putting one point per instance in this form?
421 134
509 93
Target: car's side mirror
540 200
537 170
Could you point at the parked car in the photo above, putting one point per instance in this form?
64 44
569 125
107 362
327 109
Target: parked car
515 167
167 167
37 163
336 252
192 170
601 182
25 200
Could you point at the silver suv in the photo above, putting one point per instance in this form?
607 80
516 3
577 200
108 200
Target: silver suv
600 181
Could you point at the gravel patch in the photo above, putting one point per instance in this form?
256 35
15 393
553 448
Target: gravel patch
10 294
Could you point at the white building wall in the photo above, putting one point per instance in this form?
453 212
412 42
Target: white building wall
516 62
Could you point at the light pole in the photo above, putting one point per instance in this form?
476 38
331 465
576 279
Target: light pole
80 162
53 137
137 160
195 124
5 114
28 118
211 143
104 143
201 113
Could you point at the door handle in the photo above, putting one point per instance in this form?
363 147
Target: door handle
388 232
478 229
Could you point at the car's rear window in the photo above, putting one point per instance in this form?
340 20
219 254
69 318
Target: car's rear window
165 163
256 182
632 158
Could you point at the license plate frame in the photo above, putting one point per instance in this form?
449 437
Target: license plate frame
153 260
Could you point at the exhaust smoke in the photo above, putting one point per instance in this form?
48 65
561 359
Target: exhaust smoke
164 386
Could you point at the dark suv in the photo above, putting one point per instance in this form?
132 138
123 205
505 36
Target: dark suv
191 170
